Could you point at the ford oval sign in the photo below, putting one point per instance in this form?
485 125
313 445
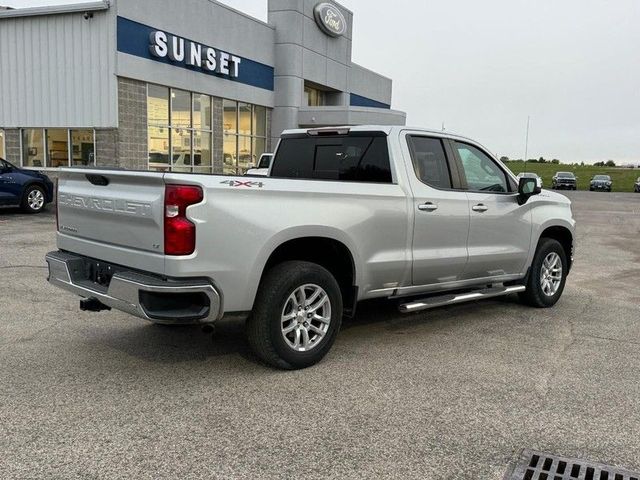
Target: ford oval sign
330 19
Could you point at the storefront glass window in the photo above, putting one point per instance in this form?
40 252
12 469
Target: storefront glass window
259 146
57 147
158 105
230 116
244 119
259 121
82 147
181 149
230 154
202 150
33 148
201 111
245 157
158 148
180 108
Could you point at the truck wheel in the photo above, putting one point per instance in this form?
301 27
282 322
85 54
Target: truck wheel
296 315
547 276
33 200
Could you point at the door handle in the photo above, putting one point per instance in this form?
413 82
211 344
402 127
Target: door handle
480 208
428 207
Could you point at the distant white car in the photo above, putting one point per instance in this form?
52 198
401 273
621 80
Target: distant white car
262 169
530 175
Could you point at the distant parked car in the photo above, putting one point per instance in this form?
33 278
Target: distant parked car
636 187
262 169
564 180
601 182
531 175
28 189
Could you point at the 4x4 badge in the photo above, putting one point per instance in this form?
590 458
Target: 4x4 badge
238 183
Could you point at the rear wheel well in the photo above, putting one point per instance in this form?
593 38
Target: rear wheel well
326 252
562 235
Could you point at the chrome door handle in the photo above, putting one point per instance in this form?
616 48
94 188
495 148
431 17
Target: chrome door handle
480 208
428 207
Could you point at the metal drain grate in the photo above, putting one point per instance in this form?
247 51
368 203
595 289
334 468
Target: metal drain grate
534 465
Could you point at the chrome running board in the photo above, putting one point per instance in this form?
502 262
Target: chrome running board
450 299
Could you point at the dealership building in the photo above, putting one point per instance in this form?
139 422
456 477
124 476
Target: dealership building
190 85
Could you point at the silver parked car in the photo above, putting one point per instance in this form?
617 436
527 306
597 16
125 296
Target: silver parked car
423 218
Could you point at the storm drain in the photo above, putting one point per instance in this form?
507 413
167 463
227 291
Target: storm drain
543 466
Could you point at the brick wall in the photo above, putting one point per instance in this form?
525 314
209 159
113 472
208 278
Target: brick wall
106 148
218 135
12 145
131 148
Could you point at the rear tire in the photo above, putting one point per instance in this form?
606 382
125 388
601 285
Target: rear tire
33 200
545 283
287 329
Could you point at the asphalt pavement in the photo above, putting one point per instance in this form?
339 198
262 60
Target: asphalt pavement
453 393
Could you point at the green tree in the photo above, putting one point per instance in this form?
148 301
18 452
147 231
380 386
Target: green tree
542 160
504 158
555 161
610 163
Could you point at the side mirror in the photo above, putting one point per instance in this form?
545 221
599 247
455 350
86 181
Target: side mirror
528 187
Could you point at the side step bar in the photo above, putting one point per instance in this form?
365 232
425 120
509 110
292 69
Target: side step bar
450 299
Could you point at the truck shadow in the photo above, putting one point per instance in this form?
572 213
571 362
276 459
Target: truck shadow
177 344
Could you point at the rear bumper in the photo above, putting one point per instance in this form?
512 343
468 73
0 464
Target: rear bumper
148 296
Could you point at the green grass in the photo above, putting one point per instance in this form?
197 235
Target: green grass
623 178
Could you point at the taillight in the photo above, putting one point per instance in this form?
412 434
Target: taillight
179 232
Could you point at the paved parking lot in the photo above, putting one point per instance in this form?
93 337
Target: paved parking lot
453 393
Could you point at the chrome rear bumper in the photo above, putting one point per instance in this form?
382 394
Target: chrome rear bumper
159 300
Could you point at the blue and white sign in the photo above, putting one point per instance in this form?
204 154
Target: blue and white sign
147 42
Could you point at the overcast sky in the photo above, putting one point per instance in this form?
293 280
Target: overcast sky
482 67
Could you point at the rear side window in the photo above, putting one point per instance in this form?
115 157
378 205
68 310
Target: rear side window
430 161
347 158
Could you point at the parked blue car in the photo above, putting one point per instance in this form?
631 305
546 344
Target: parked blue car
28 189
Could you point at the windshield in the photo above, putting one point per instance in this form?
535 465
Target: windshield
565 174
602 177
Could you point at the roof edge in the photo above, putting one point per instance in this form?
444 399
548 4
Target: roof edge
56 9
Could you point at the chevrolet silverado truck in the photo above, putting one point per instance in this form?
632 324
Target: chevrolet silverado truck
420 217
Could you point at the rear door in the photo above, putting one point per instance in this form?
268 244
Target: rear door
441 218
500 229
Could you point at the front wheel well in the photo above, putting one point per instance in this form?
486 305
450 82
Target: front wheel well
562 235
326 252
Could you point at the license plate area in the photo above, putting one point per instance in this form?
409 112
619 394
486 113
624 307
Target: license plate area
93 274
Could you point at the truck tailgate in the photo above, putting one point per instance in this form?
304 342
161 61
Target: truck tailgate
121 212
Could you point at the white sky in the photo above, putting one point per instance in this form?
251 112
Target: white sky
482 66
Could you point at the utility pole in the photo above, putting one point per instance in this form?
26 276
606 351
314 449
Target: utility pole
526 142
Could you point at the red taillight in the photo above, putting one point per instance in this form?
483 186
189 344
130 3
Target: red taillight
179 232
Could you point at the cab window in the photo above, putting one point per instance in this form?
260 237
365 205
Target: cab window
481 172
430 161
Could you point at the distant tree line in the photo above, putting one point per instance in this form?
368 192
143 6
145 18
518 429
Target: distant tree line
555 161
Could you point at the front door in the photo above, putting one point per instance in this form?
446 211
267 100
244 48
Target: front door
500 229
441 215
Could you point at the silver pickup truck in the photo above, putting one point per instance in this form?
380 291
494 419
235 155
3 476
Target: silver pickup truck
421 217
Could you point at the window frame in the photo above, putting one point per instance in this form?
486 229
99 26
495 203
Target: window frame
511 186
